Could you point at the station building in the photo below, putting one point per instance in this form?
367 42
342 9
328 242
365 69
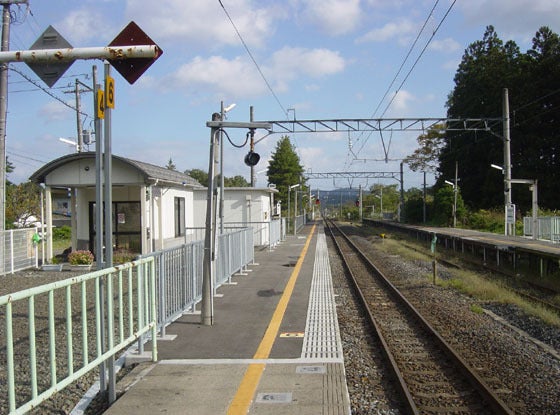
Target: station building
153 208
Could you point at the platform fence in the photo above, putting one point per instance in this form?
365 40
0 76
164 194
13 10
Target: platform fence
180 272
548 228
17 250
81 321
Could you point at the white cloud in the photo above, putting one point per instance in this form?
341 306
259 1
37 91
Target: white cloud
521 18
205 22
239 77
232 77
335 17
393 30
401 102
289 63
447 45
55 111
84 24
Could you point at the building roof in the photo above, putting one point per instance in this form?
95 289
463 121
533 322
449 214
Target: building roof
150 172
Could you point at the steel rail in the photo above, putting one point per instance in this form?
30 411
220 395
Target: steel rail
476 380
403 389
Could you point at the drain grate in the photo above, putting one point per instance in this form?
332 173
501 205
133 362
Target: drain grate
322 337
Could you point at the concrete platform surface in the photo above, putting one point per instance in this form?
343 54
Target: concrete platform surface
274 347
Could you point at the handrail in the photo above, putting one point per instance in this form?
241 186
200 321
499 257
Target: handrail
122 324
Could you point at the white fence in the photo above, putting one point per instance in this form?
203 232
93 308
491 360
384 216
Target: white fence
17 250
548 228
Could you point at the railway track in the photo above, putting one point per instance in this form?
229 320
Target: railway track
430 375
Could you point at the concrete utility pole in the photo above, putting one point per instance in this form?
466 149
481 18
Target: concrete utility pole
509 227
208 268
4 105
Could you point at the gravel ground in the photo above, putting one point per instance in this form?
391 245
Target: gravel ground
64 401
370 389
503 353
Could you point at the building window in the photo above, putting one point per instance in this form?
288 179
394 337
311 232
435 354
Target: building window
179 216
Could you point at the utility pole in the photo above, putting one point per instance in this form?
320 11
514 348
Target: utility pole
455 189
4 106
509 227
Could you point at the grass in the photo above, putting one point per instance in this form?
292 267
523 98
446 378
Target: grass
471 283
59 245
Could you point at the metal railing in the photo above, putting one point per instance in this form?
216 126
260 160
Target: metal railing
180 272
18 252
179 279
235 252
548 228
299 222
82 321
262 231
277 232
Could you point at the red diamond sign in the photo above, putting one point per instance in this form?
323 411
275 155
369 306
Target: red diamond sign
132 69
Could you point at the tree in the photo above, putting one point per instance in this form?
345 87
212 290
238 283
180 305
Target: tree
22 202
488 66
9 168
170 165
199 175
426 157
443 206
284 169
202 177
236 181
533 80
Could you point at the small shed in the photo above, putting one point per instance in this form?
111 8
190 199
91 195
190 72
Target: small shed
152 205
242 207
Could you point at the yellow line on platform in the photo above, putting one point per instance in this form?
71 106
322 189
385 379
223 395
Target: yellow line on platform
242 399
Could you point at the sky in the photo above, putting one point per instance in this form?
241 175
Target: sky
302 59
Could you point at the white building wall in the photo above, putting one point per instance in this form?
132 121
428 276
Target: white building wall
166 213
242 207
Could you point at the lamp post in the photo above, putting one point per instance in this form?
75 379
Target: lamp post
223 112
295 207
454 201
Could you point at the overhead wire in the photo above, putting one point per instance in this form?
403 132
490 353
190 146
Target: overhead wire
253 59
413 65
47 91
419 56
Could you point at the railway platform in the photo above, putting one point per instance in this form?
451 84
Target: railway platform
273 348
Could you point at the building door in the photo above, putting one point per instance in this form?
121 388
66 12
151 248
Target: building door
127 232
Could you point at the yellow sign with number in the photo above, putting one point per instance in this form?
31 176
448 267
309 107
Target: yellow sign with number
110 88
100 104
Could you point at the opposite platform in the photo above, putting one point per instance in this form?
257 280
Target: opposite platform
274 347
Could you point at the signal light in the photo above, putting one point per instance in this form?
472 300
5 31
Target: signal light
357 203
252 158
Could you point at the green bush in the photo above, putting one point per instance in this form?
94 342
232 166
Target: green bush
486 220
80 257
64 232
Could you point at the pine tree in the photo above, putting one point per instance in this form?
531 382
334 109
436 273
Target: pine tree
284 169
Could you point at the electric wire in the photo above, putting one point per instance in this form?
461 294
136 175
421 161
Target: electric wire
413 66
406 58
419 56
15 154
400 68
253 59
47 91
